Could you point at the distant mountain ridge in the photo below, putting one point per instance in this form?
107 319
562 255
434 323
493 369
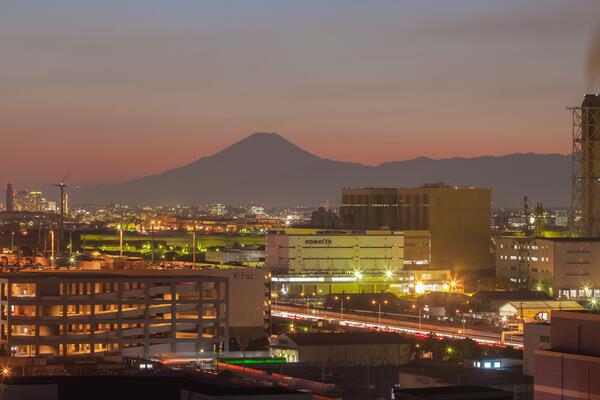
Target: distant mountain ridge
268 169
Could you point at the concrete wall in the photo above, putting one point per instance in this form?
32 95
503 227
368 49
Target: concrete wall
575 332
247 297
535 337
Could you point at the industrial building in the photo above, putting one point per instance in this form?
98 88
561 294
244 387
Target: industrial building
314 252
561 266
458 219
570 367
68 313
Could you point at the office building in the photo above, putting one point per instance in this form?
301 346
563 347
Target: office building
561 266
69 313
570 368
458 219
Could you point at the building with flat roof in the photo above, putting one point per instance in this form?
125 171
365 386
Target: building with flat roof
570 368
164 386
70 313
330 252
344 348
561 266
458 219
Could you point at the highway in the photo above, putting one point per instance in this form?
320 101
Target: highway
373 322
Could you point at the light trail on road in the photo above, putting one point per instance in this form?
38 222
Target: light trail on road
389 325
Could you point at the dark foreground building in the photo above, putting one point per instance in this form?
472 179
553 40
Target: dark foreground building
135 387
451 393
570 369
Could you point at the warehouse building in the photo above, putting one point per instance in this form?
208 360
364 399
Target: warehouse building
329 252
458 219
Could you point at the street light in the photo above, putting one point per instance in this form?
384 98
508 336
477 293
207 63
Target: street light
152 233
120 228
379 309
52 248
342 305
414 306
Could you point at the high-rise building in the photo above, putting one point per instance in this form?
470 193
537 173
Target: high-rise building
10 197
458 219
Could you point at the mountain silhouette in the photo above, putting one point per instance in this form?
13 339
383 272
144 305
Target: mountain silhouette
268 169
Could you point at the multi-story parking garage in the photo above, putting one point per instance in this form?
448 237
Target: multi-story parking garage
65 313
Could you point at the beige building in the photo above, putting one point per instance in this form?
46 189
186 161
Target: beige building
458 219
329 252
562 266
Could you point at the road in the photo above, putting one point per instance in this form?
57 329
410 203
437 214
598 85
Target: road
373 322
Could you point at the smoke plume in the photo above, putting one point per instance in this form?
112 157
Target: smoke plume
592 65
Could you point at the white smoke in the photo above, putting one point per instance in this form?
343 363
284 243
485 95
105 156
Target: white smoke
592 65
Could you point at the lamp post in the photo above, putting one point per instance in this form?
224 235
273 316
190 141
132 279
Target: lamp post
152 235
342 305
414 306
194 245
120 228
379 309
52 248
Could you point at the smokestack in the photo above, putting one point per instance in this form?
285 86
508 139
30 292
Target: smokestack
592 65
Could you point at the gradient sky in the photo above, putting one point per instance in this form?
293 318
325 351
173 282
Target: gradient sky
119 89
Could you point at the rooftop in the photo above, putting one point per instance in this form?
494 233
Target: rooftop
86 274
453 392
345 338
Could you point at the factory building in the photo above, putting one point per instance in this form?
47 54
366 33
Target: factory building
69 313
458 219
330 252
561 266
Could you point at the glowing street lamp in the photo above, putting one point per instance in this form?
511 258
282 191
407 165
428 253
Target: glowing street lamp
379 309
120 228
342 304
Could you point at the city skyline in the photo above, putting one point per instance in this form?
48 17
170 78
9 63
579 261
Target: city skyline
152 88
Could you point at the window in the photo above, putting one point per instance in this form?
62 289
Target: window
496 364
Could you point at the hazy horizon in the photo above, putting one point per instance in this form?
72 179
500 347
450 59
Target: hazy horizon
118 90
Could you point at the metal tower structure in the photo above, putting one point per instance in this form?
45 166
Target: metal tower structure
585 173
